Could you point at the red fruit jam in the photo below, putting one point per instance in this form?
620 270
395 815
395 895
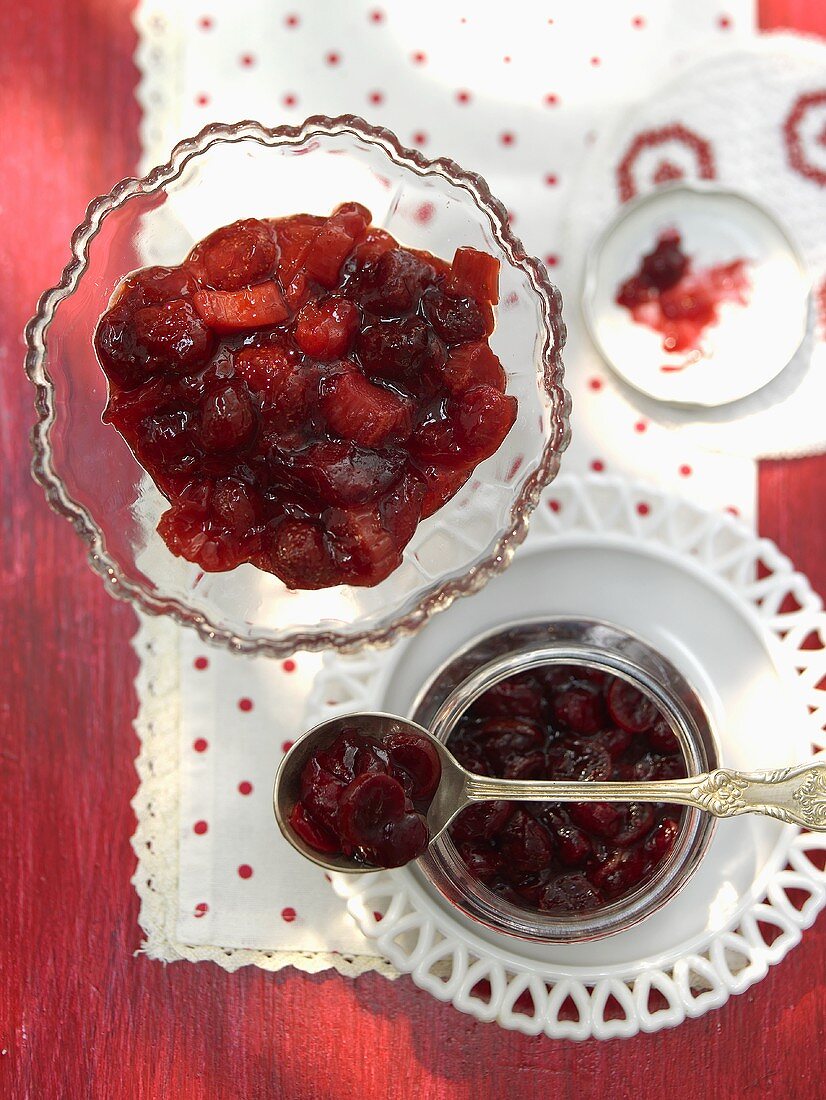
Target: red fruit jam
669 296
565 722
304 391
367 798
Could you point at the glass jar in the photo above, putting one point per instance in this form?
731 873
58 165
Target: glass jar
515 649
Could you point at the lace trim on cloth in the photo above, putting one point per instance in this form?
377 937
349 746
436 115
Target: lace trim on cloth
158 57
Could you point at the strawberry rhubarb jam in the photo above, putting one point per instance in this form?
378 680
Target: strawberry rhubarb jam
573 723
367 798
304 391
669 295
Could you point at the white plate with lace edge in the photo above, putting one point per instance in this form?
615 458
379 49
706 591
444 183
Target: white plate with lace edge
730 611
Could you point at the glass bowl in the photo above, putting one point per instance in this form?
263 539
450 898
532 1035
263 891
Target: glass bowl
247 170
508 651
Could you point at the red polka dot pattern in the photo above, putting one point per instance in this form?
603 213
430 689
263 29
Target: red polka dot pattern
595 384
685 470
245 871
597 465
463 96
245 787
289 665
247 60
419 57
643 509
291 20
507 138
555 505
376 15
245 705
205 23
288 914
200 663
201 909
333 58
200 744
286 746
200 827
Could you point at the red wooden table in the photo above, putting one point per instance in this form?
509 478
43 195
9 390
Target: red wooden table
80 1015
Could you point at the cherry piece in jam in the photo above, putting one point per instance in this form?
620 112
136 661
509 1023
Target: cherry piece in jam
367 799
304 391
565 722
668 295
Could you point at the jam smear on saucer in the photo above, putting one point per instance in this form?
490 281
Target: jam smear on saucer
304 391
669 296
565 722
367 799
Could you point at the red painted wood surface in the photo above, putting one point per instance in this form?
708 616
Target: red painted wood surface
80 1015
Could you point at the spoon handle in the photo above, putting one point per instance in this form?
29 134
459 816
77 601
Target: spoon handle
795 795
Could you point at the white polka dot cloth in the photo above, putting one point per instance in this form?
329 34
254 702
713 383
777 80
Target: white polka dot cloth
515 92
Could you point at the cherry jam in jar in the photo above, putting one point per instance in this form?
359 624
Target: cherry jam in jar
565 722
566 698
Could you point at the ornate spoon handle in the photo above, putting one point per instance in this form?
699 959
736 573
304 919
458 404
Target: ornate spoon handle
794 795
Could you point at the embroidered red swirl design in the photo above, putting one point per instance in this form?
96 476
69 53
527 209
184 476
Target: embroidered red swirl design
667 171
820 301
794 139
652 139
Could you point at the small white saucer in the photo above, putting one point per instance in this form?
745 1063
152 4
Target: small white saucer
687 582
749 345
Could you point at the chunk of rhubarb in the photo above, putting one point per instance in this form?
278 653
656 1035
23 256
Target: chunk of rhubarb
236 310
474 275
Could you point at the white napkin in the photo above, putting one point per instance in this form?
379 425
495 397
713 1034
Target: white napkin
515 97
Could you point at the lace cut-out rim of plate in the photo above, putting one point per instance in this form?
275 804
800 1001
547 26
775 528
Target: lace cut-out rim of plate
417 942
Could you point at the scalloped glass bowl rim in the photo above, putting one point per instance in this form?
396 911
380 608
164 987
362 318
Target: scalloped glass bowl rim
440 595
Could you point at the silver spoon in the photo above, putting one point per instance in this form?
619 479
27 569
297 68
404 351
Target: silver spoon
795 795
